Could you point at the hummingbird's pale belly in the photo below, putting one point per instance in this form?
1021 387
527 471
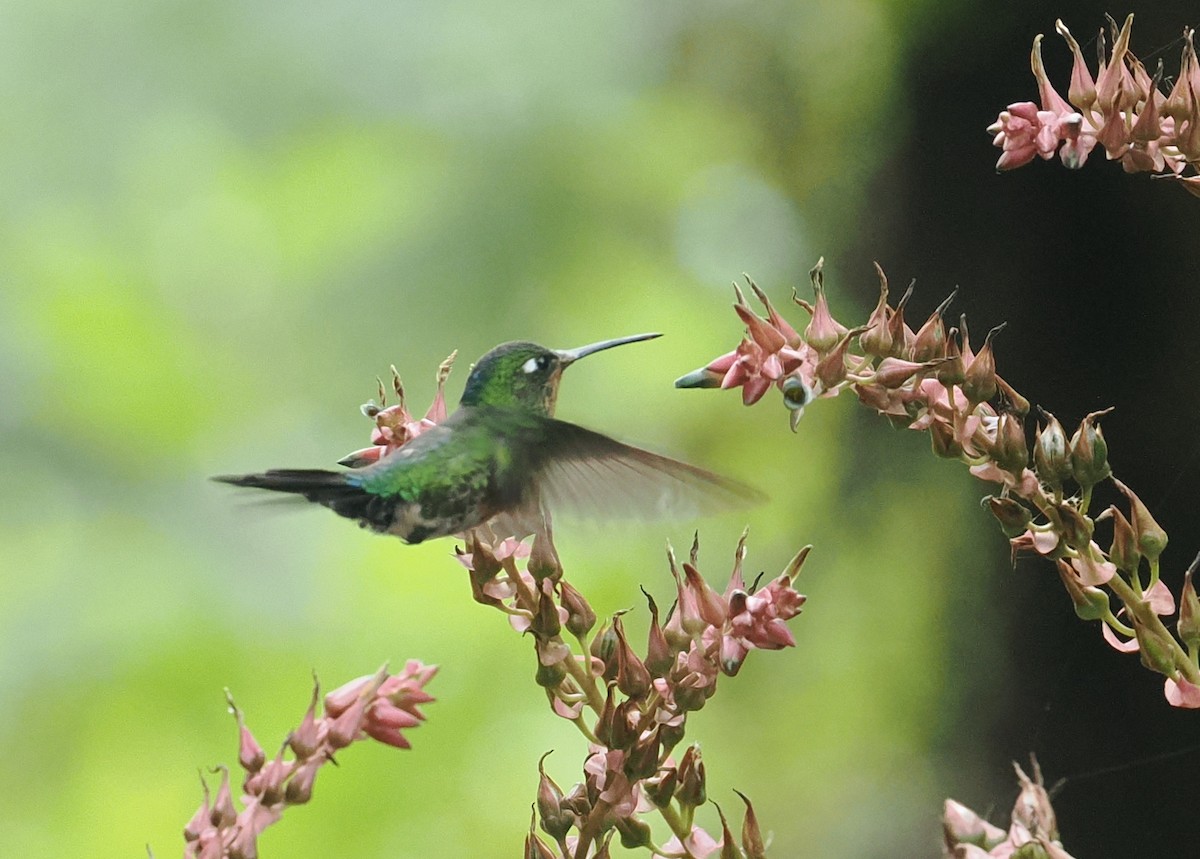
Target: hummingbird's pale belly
412 527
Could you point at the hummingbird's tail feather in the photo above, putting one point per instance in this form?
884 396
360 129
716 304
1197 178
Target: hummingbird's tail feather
330 489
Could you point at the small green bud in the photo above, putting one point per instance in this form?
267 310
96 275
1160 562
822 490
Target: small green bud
1051 455
1155 653
1151 538
1089 452
634 833
1010 451
1090 603
1189 610
549 676
1124 551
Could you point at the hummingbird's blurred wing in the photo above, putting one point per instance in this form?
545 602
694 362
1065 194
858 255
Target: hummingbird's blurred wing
589 473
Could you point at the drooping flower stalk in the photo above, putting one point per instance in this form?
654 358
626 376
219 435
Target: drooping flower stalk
932 380
1123 109
380 706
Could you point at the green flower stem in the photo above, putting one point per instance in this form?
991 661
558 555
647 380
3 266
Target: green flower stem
586 682
681 829
582 725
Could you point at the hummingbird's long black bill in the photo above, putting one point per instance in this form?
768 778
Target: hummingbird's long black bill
570 356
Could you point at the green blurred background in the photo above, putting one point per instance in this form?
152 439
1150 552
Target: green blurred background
221 221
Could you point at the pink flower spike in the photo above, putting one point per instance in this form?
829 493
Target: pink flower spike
1181 693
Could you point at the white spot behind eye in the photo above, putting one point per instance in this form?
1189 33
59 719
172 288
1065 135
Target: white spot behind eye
530 366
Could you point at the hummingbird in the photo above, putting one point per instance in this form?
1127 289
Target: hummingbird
503 459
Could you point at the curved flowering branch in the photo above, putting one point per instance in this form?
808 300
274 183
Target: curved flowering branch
380 706
932 380
1123 109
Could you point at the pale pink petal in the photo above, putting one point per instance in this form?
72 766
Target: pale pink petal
1181 693
1160 598
1130 646
1092 572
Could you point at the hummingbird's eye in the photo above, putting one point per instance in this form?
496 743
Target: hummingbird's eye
537 365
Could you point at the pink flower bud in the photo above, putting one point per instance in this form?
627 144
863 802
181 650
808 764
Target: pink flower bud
580 616
979 379
345 729
790 336
388 736
201 820
223 813
300 786
271 779
752 840
340 699
633 678
709 603
307 737
823 332
659 655
876 339
691 791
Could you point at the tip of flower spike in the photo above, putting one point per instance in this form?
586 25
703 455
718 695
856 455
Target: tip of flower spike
702 378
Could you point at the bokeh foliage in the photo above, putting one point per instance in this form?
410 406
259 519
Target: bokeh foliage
221 221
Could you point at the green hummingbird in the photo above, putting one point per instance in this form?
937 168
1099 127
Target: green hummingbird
503 459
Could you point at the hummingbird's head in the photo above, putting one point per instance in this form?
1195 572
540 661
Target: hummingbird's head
526 375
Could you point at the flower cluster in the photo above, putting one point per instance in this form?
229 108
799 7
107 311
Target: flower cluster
632 708
394 425
1033 831
380 706
1122 109
932 380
